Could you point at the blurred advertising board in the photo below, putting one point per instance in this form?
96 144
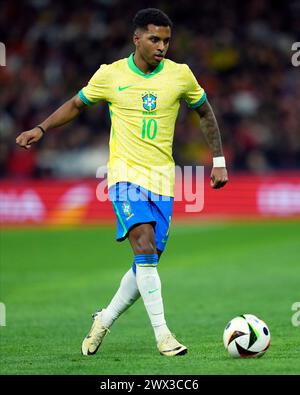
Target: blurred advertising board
60 202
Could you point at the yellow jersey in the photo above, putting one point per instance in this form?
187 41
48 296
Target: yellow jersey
143 109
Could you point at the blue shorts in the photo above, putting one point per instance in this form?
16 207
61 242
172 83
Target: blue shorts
135 205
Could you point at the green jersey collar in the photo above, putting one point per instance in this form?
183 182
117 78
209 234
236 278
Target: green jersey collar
136 70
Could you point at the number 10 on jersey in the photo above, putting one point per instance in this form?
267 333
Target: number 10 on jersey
149 128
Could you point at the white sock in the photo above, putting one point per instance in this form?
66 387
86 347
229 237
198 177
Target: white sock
125 296
149 285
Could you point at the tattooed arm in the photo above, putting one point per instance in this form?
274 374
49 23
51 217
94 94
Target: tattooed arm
210 129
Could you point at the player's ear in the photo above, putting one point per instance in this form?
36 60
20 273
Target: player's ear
136 38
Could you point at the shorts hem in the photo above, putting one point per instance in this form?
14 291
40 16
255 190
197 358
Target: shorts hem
124 237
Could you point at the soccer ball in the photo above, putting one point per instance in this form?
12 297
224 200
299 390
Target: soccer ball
246 336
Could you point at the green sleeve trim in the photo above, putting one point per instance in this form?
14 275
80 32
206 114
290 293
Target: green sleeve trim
199 102
84 98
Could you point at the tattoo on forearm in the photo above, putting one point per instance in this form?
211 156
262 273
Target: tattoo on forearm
209 126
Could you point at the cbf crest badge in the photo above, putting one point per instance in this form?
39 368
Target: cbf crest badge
149 101
127 210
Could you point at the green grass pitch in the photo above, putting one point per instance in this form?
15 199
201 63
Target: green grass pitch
53 280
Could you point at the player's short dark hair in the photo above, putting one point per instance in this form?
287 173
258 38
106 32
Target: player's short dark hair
152 16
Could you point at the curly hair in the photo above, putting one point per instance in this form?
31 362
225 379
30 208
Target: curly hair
151 16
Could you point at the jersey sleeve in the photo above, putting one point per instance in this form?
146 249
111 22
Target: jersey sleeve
97 88
193 93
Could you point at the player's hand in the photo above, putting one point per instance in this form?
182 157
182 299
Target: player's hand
218 177
25 139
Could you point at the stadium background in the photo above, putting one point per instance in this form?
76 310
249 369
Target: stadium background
241 54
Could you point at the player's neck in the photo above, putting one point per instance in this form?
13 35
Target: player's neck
141 64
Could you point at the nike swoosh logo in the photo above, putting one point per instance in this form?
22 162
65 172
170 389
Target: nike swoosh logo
152 291
122 88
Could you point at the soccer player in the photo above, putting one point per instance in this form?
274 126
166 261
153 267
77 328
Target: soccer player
143 92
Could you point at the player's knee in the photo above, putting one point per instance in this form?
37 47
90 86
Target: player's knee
145 249
144 246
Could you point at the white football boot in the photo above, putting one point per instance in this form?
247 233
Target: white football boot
93 340
170 347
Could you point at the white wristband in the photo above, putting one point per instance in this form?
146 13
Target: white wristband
219 161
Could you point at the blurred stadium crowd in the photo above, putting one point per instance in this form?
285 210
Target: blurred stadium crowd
239 51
